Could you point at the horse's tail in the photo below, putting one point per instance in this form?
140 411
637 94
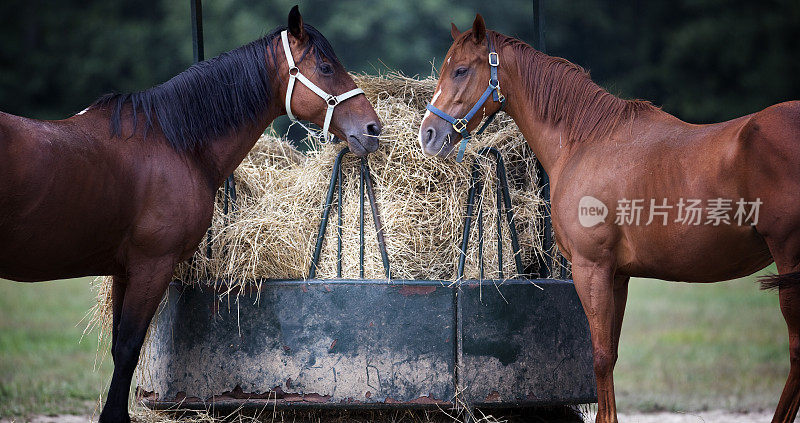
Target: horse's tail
786 280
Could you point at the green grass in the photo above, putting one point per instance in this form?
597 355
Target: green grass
701 346
45 367
684 347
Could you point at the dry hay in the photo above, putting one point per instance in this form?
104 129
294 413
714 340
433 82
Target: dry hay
566 414
280 193
271 415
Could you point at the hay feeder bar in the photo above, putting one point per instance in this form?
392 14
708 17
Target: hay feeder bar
336 185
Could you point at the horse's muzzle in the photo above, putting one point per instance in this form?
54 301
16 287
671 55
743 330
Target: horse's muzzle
437 140
363 141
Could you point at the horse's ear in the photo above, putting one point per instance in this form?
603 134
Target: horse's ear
454 32
296 24
478 29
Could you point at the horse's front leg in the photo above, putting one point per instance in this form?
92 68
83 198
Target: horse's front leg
146 283
118 286
595 284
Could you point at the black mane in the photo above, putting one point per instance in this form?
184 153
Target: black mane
212 97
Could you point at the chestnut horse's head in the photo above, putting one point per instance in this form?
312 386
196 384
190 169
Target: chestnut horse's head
462 89
320 90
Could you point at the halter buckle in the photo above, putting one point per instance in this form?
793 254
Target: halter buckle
293 71
332 101
494 59
500 97
460 125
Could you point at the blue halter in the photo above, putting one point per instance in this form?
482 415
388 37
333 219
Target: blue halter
460 125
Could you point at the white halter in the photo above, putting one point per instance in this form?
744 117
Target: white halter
294 73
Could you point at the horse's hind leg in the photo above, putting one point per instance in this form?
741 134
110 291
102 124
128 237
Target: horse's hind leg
790 397
787 281
147 282
790 307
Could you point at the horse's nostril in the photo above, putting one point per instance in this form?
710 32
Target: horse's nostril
430 133
373 129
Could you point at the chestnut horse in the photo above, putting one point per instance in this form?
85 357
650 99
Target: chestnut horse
608 150
126 187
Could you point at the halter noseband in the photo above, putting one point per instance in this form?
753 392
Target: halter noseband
330 99
460 125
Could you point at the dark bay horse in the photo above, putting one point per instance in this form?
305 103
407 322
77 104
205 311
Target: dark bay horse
126 187
605 154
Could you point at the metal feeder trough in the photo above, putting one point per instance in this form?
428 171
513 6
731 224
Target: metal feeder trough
373 343
348 343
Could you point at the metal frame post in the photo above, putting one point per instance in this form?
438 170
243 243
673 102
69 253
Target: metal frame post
545 263
197 29
198 53
196 16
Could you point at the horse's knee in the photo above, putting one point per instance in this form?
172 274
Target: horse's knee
604 362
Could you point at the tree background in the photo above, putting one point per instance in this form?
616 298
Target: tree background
684 347
702 60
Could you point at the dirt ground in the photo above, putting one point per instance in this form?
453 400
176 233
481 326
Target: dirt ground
51 419
699 417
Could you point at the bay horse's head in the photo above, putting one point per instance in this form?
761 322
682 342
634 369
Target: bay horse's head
462 98
320 90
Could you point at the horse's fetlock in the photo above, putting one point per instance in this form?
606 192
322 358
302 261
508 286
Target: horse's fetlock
794 351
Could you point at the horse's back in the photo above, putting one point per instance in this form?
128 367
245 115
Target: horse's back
662 160
16 145
75 201
57 212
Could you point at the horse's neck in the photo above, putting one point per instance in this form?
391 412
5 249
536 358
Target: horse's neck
542 137
546 140
224 154
550 141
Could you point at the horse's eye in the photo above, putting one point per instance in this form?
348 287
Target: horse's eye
460 71
326 68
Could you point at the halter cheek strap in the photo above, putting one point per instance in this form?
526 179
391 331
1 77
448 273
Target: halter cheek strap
460 125
330 99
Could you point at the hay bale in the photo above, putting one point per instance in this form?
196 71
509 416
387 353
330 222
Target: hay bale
281 191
